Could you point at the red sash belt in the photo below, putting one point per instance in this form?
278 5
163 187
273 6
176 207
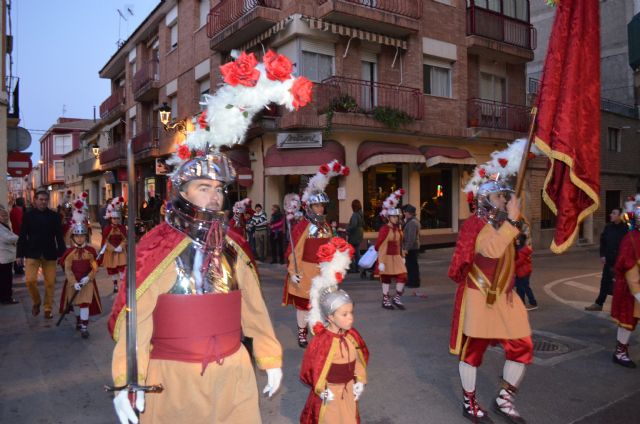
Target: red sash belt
393 248
80 268
196 328
115 239
311 246
341 373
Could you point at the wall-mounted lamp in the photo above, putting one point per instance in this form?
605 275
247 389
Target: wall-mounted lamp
41 162
165 118
96 151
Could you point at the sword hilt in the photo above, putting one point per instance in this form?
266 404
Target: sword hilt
133 387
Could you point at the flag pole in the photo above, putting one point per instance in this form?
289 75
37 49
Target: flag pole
525 153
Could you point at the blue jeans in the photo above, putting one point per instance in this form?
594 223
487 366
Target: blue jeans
523 289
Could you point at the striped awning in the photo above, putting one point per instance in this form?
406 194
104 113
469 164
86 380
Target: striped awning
265 35
346 31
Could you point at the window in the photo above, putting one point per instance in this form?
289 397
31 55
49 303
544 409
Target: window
316 66
612 201
58 170
62 144
435 198
133 127
437 80
204 11
492 87
547 217
378 183
173 103
134 67
204 86
369 95
518 9
493 5
613 140
173 37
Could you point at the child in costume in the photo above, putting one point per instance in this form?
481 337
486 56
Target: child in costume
523 271
391 265
114 243
80 266
334 363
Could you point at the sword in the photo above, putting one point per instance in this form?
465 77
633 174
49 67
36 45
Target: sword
132 385
68 308
293 248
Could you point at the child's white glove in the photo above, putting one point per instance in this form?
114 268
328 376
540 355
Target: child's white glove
118 249
274 378
123 407
327 395
358 388
637 296
381 267
295 278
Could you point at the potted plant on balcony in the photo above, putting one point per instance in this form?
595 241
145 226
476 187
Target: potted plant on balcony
391 117
344 104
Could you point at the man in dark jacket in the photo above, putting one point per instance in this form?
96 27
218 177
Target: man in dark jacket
40 244
355 232
411 245
610 240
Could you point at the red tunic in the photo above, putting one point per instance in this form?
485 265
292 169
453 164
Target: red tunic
623 303
80 269
523 261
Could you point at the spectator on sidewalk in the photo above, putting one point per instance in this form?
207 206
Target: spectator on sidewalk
102 215
8 241
259 223
40 244
523 272
610 239
355 232
411 245
276 226
16 215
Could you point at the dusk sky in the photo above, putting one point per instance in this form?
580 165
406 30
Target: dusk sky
59 48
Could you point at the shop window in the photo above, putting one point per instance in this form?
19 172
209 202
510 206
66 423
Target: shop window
149 188
547 217
612 201
235 193
297 184
378 183
435 198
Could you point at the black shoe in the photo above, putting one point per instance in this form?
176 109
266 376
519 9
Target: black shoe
412 286
398 303
115 288
84 333
386 302
10 301
302 337
621 356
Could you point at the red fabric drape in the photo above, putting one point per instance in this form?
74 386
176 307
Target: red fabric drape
568 121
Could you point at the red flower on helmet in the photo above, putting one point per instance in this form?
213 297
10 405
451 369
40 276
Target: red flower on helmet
346 171
503 162
326 252
318 328
202 120
482 173
401 192
470 197
324 169
301 90
278 66
340 243
339 277
183 152
78 204
336 166
120 199
85 194
241 71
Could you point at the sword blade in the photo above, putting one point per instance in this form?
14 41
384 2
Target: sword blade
131 311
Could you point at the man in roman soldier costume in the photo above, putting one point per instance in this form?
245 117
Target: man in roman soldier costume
114 243
391 265
306 237
237 223
198 288
625 307
80 267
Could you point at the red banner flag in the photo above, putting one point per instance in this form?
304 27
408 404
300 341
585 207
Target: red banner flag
568 120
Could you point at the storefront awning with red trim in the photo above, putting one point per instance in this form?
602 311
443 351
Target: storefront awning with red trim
239 156
452 155
372 153
301 161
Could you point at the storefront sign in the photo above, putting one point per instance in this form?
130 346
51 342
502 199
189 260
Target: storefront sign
301 140
161 166
342 193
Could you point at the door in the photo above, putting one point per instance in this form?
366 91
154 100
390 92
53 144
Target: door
368 95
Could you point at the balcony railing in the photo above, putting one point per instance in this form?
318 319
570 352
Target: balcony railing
500 27
497 115
115 100
353 95
113 153
13 90
146 140
146 75
228 11
88 166
408 8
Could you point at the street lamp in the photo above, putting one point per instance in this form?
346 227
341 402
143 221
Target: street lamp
165 118
95 150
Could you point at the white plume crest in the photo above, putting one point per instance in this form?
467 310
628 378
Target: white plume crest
392 201
80 208
320 180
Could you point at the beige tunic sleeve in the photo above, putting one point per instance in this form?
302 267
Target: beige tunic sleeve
361 370
492 243
68 261
255 319
633 280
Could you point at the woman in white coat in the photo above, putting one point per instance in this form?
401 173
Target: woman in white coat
8 242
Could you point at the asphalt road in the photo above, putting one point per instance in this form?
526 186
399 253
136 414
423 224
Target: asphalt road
50 375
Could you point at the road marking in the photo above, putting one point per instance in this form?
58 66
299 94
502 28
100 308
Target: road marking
582 286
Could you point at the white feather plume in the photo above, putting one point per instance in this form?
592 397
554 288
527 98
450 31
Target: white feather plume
79 214
391 202
319 181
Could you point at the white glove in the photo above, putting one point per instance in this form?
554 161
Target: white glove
77 286
637 296
358 388
295 278
404 260
118 249
123 407
381 267
274 378
327 395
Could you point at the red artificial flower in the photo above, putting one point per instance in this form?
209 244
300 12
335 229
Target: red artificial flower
339 243
318 328
78 204
503 162
470 197
278 66
326 252
324 169
241 71
339 277
183 152
336 166
202 120
401 192
482 173
346 171
302 92
85 194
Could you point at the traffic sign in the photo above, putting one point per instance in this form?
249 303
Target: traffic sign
19 164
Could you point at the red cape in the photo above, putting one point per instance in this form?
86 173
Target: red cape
296 233
623 302
459 269
95 308
315 361
107 229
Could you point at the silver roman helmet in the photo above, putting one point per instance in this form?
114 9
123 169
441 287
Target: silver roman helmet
79 228
331 299
486 209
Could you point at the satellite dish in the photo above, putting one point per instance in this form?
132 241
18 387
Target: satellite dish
18 139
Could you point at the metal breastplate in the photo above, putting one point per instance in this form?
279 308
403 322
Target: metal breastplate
321 231
194 276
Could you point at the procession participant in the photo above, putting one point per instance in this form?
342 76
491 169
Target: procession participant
391 265
66 216
486 310
334 364
114 243
79 265
306 237
625 306
237 223
198 288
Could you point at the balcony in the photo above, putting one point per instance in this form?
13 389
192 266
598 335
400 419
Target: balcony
390 17
113 106
353 102
146 82
489 33
234 22
145 145
113 157
497 116
89 166
12 85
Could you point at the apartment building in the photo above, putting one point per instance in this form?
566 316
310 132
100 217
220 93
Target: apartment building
409 93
